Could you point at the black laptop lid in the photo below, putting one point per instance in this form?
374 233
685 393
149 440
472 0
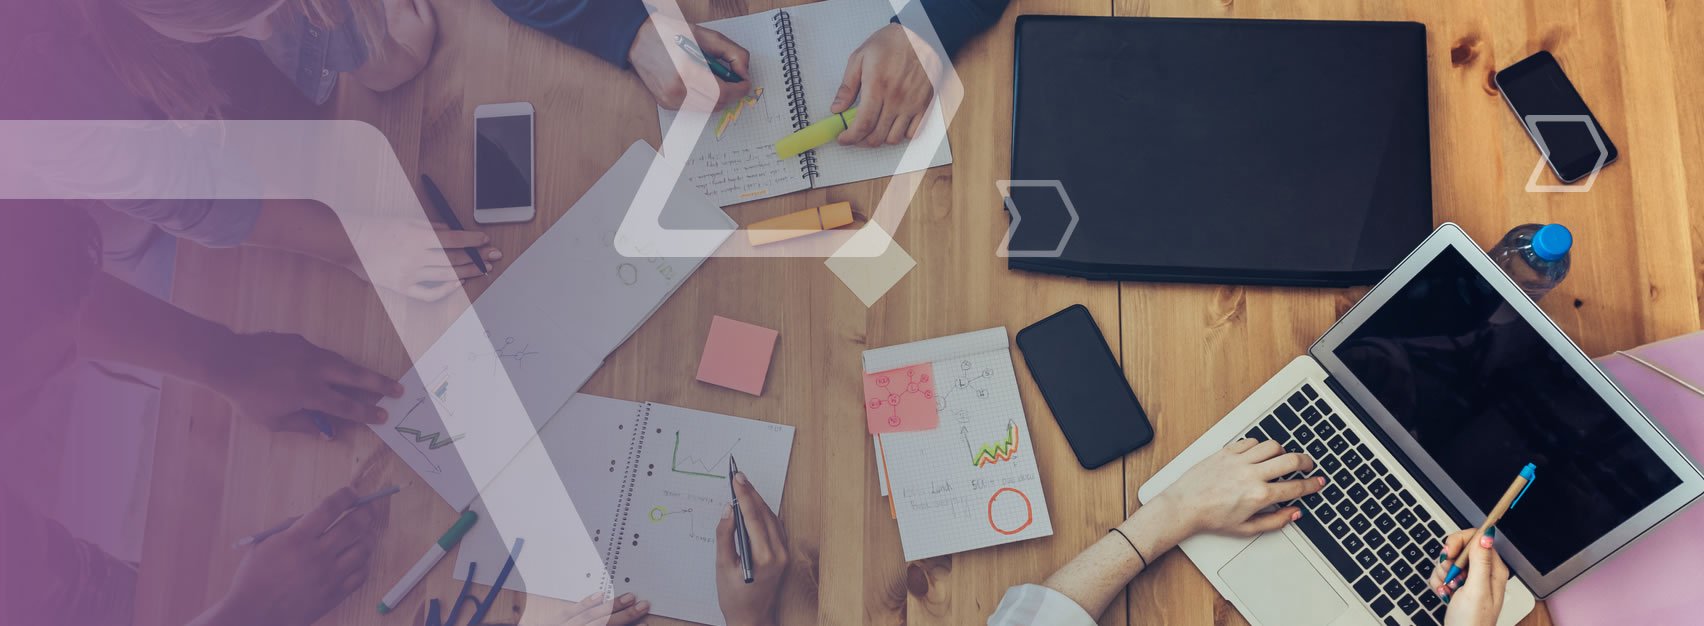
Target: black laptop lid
1221 151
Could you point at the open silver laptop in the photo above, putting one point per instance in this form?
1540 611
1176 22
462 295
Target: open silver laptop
1419 407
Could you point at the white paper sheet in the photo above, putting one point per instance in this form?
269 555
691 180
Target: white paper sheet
541 330
947 501
666 519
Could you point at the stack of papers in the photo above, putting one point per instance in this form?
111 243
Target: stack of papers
969 481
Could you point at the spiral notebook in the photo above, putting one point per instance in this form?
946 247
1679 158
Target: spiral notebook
798 58
649 483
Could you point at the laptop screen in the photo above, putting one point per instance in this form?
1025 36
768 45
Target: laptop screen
1482 393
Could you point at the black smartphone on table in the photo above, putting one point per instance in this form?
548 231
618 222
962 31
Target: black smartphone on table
1555 116
1084 386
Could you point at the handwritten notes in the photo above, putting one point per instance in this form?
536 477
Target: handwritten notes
734 175
901 400
971 482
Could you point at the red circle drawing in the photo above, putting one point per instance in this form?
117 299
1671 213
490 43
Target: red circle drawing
1029 512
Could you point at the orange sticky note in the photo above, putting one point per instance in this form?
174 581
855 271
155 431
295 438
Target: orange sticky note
902 399
736 355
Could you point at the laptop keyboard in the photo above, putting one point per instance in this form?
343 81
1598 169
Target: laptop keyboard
1368 526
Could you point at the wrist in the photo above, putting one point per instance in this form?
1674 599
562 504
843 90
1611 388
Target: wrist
1157 527
209 361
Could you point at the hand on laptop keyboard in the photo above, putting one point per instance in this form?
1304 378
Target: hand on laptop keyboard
1480 596
1230 492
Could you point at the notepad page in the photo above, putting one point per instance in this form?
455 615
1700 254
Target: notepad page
973 481
741 165
669 552
586 446
828 33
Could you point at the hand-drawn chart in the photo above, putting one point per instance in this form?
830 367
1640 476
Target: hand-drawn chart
733 113
422 441
999 452
902 399
971 482
694 465
508 349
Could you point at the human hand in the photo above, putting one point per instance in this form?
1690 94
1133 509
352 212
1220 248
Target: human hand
670 74
296 576
594 611
890 85
1228 491
413 24
277 379
390 256
750 604
1477 601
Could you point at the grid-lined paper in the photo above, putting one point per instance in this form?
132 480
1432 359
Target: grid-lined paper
953 488
666 542
742 166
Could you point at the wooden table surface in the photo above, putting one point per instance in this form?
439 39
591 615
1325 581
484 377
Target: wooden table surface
1191 352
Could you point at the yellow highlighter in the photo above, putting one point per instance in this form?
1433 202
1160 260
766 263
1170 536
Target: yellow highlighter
806 222
815 135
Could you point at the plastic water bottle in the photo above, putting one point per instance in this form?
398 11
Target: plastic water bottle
1536 256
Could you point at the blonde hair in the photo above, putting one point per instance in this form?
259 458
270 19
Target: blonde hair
172 74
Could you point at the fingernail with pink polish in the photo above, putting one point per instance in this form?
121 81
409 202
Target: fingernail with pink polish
1295 515
1485 542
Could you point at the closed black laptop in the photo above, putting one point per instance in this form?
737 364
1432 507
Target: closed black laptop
1220 151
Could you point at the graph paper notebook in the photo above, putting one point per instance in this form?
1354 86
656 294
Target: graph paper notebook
798 57
972 482
649 483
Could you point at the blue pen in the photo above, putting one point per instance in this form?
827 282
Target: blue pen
1510 499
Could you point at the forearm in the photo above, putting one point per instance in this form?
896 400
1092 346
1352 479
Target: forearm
304 227
1096 575
227 613
605 28
126 324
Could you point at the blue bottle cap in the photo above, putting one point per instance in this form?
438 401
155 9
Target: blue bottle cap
1552 242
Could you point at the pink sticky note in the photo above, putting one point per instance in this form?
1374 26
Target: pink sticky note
901 399
736 355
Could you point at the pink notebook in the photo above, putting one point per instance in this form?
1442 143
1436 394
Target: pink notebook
1656 579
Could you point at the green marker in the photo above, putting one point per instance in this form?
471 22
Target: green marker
810 137
433 555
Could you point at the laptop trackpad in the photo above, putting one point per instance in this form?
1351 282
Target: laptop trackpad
1273 580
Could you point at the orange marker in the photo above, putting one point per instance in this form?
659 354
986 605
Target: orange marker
794 225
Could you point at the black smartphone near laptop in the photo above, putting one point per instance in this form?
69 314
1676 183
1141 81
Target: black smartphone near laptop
1556 117
1419 407
1084 386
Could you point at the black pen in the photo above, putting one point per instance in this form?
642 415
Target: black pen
742 537
450 218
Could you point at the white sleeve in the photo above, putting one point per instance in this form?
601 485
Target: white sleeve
1027 605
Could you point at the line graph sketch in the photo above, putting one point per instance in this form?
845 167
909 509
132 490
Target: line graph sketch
692 465
509 349
416 437
999 452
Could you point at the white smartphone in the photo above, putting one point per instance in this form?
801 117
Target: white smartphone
503 163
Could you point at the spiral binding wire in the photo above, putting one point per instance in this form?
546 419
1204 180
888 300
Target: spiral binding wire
795 87
624 506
